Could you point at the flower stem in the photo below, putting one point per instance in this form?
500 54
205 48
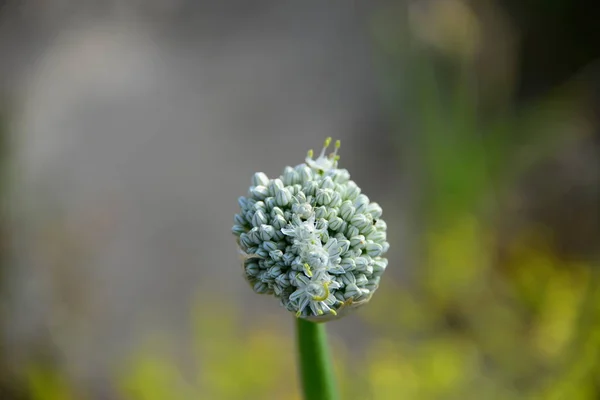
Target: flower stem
316 371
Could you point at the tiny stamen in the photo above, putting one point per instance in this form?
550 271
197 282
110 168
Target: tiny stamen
325 295
325 146
334 156
338 144
308 270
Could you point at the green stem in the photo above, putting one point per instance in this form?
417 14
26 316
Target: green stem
316 371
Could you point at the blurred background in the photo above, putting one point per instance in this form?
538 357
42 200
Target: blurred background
129 129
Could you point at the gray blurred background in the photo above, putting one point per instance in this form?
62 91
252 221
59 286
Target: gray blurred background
136 128
129 129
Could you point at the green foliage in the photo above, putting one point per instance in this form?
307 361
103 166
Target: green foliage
45 383
226 365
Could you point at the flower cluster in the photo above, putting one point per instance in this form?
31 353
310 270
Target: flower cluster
311 238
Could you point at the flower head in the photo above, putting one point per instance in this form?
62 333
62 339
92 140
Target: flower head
311 239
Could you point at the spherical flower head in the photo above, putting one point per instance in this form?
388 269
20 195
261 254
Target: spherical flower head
311 239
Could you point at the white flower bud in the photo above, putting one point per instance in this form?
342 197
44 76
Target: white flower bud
385 247
276 255
360 221
327 183
260 192
369 229
252 269
340 176
324 237
295 189
361 263
274 271
269 246
278 235
361 203
276 211
278 222
342 228
352 191
344 245
238 230
321 212
282 279
245 240
274 186
303 210
270 203
331 213
373 284
374 249
336 200
352 292
377 236
322 224
379 265
266 263
243 202
252 250
324 196
361 280
357 241
375 210
304 173
262 253
349 264
288 176
239 220
347 210
266 232
283 197
259 218
310 188
348 279
260 179
261 288
381 225
352 231
288 258
335 223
